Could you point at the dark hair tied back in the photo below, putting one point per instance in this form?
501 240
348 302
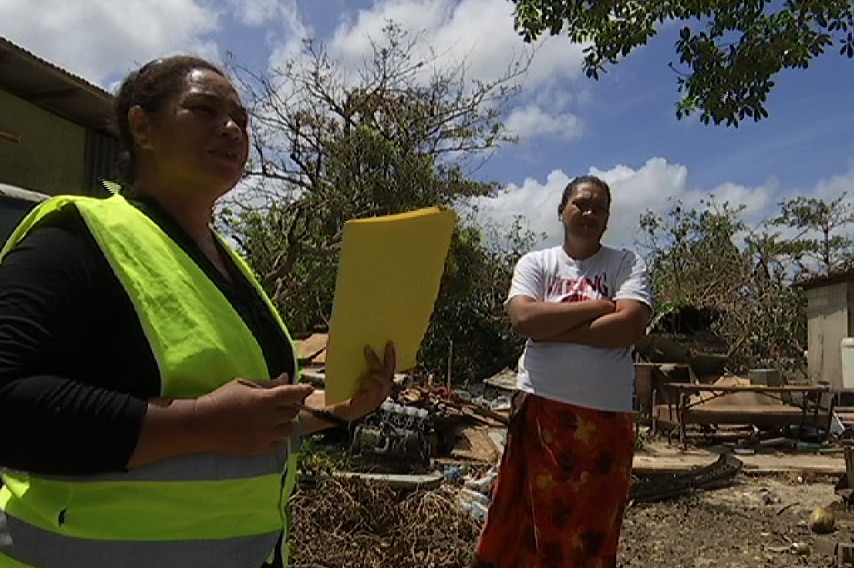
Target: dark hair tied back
149 87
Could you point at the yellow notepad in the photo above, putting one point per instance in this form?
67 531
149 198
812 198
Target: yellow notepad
388 281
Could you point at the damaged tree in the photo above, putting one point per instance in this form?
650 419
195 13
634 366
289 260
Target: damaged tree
709 258
821 246
405 132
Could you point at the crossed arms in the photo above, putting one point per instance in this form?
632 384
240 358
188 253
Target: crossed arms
597 323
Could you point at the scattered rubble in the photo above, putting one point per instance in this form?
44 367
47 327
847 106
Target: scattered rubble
423 428
420 474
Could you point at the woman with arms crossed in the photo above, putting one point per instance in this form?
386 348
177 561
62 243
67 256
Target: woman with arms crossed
564 479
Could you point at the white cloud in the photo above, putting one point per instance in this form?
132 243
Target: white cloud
254 12
531 121
478 35
558 96
477 32
833 187
352 40
296 31
653 187
98 39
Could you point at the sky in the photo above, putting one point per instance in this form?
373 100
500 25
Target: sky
622 128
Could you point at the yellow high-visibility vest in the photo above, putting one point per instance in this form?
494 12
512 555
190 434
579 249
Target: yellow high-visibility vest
198 510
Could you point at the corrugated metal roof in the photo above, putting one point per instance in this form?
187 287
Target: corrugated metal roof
34 79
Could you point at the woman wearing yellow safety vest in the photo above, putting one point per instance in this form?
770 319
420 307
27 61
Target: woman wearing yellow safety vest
129 330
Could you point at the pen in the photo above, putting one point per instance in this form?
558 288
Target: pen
324 415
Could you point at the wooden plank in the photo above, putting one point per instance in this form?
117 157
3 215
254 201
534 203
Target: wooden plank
809 389
748 410
775 416
759 415
488 412
849 466
426 481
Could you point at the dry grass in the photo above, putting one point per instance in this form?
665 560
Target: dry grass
351 523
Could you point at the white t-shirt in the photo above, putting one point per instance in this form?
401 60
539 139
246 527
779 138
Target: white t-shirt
569 372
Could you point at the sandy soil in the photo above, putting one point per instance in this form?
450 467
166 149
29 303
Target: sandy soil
756 522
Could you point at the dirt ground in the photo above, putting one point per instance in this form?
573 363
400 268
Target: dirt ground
756 522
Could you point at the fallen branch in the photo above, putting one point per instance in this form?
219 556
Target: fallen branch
787 507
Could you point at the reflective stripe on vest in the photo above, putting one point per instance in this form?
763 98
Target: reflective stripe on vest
198 510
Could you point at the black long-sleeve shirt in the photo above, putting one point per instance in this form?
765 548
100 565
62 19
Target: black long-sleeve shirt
75 366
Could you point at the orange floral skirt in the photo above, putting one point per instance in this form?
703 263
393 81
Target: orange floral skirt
561 490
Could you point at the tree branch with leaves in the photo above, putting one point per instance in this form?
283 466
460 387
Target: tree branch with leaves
728 52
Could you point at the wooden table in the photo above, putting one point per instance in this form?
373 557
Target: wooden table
810 398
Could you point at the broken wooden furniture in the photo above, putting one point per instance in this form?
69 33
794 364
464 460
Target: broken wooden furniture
799 405
845 485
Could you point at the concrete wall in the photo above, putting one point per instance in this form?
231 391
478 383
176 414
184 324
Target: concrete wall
50 157
830 317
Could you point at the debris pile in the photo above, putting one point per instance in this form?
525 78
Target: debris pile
360 524
421 428
662 487
396 435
